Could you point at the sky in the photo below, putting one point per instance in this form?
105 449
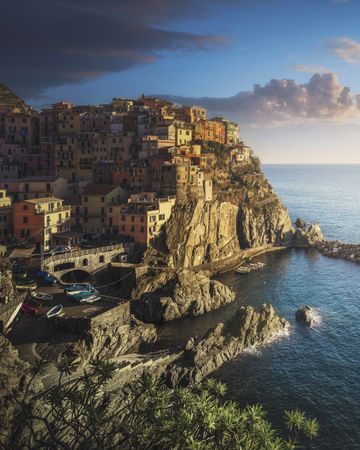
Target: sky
286 70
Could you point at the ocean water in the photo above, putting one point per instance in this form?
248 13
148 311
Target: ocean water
326 194
316 370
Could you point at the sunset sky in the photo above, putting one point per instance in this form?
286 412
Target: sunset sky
286 70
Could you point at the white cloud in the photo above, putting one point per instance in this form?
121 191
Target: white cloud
346 49
283 102
309 68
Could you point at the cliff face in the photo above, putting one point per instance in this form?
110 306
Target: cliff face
244 213
201 232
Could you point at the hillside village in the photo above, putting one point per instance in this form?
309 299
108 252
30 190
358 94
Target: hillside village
71 174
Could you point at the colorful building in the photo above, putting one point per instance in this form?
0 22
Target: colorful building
141 218
6 214
39 220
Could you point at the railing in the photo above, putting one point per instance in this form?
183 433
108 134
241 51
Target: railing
90 251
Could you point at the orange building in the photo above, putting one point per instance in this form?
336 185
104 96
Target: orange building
141 218
40 219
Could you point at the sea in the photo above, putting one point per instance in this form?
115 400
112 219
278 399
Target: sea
316 370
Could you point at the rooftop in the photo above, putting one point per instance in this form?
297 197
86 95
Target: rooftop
43 200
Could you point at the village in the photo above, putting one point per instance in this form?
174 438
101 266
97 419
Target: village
86 187
73 173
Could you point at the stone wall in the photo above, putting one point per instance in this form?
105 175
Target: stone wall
120 315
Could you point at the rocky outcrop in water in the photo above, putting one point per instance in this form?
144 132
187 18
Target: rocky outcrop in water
247 328
168 296
337 249
307 235
305 315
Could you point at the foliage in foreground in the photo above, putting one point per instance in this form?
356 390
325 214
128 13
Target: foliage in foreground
80 413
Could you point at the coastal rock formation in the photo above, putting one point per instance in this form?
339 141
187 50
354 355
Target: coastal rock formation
245 329
110 340
14 376
307 235
168 296
337 249
305 314
245 212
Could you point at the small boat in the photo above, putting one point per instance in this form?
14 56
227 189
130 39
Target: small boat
42 273
90 299
55 311
42 296
242 270
82 294
50 279
29 309
22 284
77 288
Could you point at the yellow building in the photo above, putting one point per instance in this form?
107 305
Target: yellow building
5 216
94 202
183 133
40 219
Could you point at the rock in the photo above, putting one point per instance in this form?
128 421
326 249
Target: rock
244 213
305 314
14 375
308 236
184 294
110 340
245 329
300 223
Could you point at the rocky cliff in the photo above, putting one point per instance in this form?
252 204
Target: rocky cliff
245 212
167 296
247 328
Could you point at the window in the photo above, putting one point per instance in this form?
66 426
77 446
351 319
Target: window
85 199
110 209
102 199
132 218
101 259
25 207
132 228
25 219
162 217
123 227
85 262
142 229
123 218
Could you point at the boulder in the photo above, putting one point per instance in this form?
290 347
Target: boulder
308 235
247 328
305 314
186 294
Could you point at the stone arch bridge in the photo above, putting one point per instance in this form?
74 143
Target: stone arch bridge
88 260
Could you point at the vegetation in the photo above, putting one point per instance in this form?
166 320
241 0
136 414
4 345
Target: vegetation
80 413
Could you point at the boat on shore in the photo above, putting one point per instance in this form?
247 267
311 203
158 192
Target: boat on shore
249 267
41 296
91 299
78 288
23 284
55 311
82 294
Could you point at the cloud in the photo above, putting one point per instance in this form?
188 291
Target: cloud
54 42
309 68
284 102
345 48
